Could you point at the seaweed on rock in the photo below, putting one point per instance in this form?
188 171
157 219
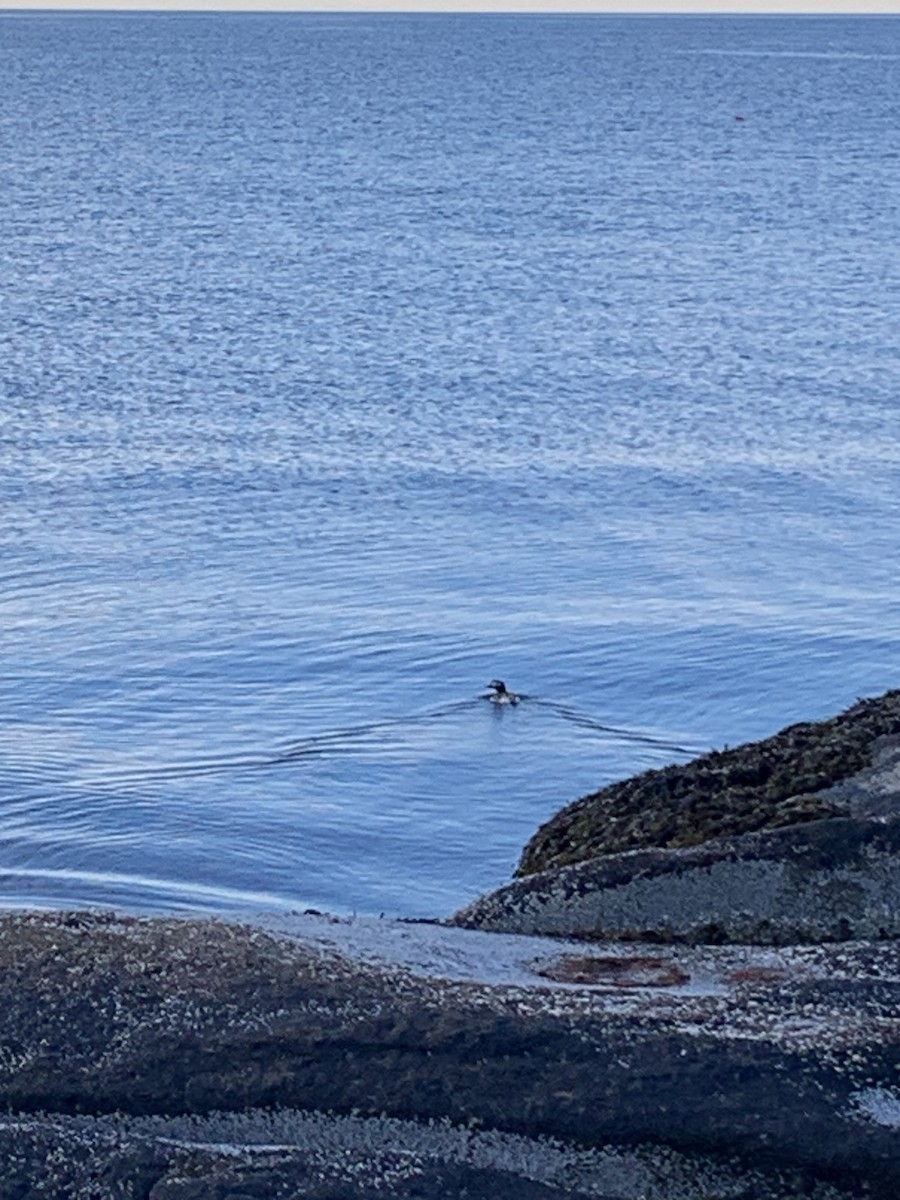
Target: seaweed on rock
761 785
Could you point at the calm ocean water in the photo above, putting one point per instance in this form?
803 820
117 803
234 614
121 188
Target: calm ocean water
350 361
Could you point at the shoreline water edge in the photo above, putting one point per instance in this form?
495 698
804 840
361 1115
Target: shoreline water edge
694 993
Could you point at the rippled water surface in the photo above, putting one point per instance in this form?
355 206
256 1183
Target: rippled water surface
348 362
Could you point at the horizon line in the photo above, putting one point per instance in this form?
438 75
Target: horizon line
770 8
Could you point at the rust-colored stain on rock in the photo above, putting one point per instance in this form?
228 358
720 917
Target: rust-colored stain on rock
614 971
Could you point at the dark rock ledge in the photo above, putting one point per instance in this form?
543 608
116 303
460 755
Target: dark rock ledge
818 882
751 1053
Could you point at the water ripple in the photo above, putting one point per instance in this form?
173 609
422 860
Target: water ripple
439 349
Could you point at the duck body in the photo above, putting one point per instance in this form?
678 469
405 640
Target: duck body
500 693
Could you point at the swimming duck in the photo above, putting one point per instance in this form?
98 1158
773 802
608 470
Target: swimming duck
500 694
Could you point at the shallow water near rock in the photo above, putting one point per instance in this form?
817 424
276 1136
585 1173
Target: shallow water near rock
350 362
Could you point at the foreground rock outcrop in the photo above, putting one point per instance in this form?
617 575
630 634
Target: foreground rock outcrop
784 780
169 1060
832 875
821 881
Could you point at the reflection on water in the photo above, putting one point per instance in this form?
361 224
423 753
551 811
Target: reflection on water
351 363
117 810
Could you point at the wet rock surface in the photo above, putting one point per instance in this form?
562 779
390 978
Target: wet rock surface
128 1046
830 880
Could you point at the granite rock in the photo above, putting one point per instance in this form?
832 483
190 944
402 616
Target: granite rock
829 880
775 1072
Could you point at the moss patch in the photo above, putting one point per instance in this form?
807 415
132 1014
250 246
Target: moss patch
761 785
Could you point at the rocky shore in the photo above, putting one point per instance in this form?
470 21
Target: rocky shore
710 1020
714 850
792 777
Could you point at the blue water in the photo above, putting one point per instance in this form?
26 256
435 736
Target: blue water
348 362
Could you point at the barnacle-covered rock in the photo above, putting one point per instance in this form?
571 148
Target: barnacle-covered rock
814 867
185 1060
821 881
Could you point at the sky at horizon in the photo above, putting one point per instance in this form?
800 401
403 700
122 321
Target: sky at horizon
622 7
